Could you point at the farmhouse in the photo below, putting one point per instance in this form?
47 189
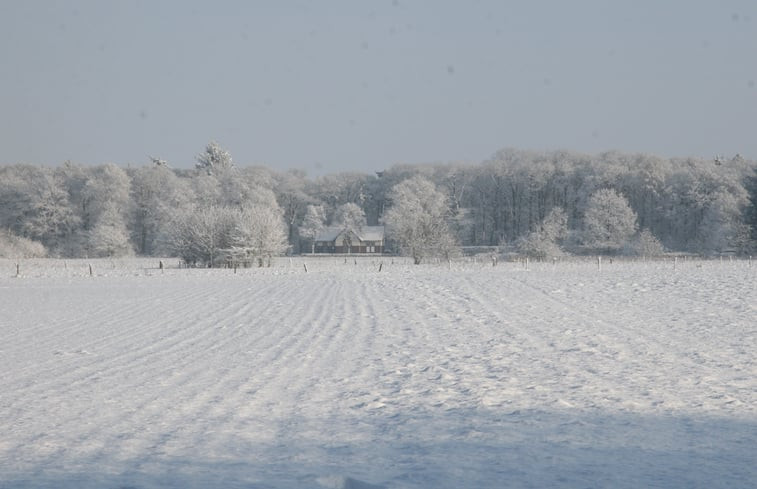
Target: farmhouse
341 240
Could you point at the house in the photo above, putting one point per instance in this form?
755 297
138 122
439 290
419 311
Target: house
341 240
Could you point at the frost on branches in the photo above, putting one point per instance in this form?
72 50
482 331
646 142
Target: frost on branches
545 242
691 205
609 222
417 220
312 224
214 159
219 235
349 216
259 233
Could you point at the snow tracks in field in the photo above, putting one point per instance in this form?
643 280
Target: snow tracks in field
412 377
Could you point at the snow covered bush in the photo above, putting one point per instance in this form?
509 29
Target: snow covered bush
536 245
544 242
218 234
12 246
644 244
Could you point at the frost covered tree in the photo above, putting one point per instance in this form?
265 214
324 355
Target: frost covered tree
106 187
350 216
259 232
105 202
110 237
609 222
722 228
689 204
51 221
14 196
645 244
417 220
332 191
155 192
312 224
199 234
544 242
290 189
214 159
59 208
34 204
751 210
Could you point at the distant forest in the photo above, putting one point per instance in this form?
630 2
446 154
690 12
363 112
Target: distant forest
538 203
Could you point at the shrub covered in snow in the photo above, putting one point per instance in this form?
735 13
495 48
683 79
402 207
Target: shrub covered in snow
544 242
12 246
644 244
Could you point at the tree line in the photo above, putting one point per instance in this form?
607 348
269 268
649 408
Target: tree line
536 203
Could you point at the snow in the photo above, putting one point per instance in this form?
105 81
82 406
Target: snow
471 375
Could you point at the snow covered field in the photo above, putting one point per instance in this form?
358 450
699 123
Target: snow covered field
638 375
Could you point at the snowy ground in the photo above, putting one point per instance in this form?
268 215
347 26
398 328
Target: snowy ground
638 375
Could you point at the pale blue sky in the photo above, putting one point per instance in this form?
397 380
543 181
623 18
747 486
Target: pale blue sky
345 85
